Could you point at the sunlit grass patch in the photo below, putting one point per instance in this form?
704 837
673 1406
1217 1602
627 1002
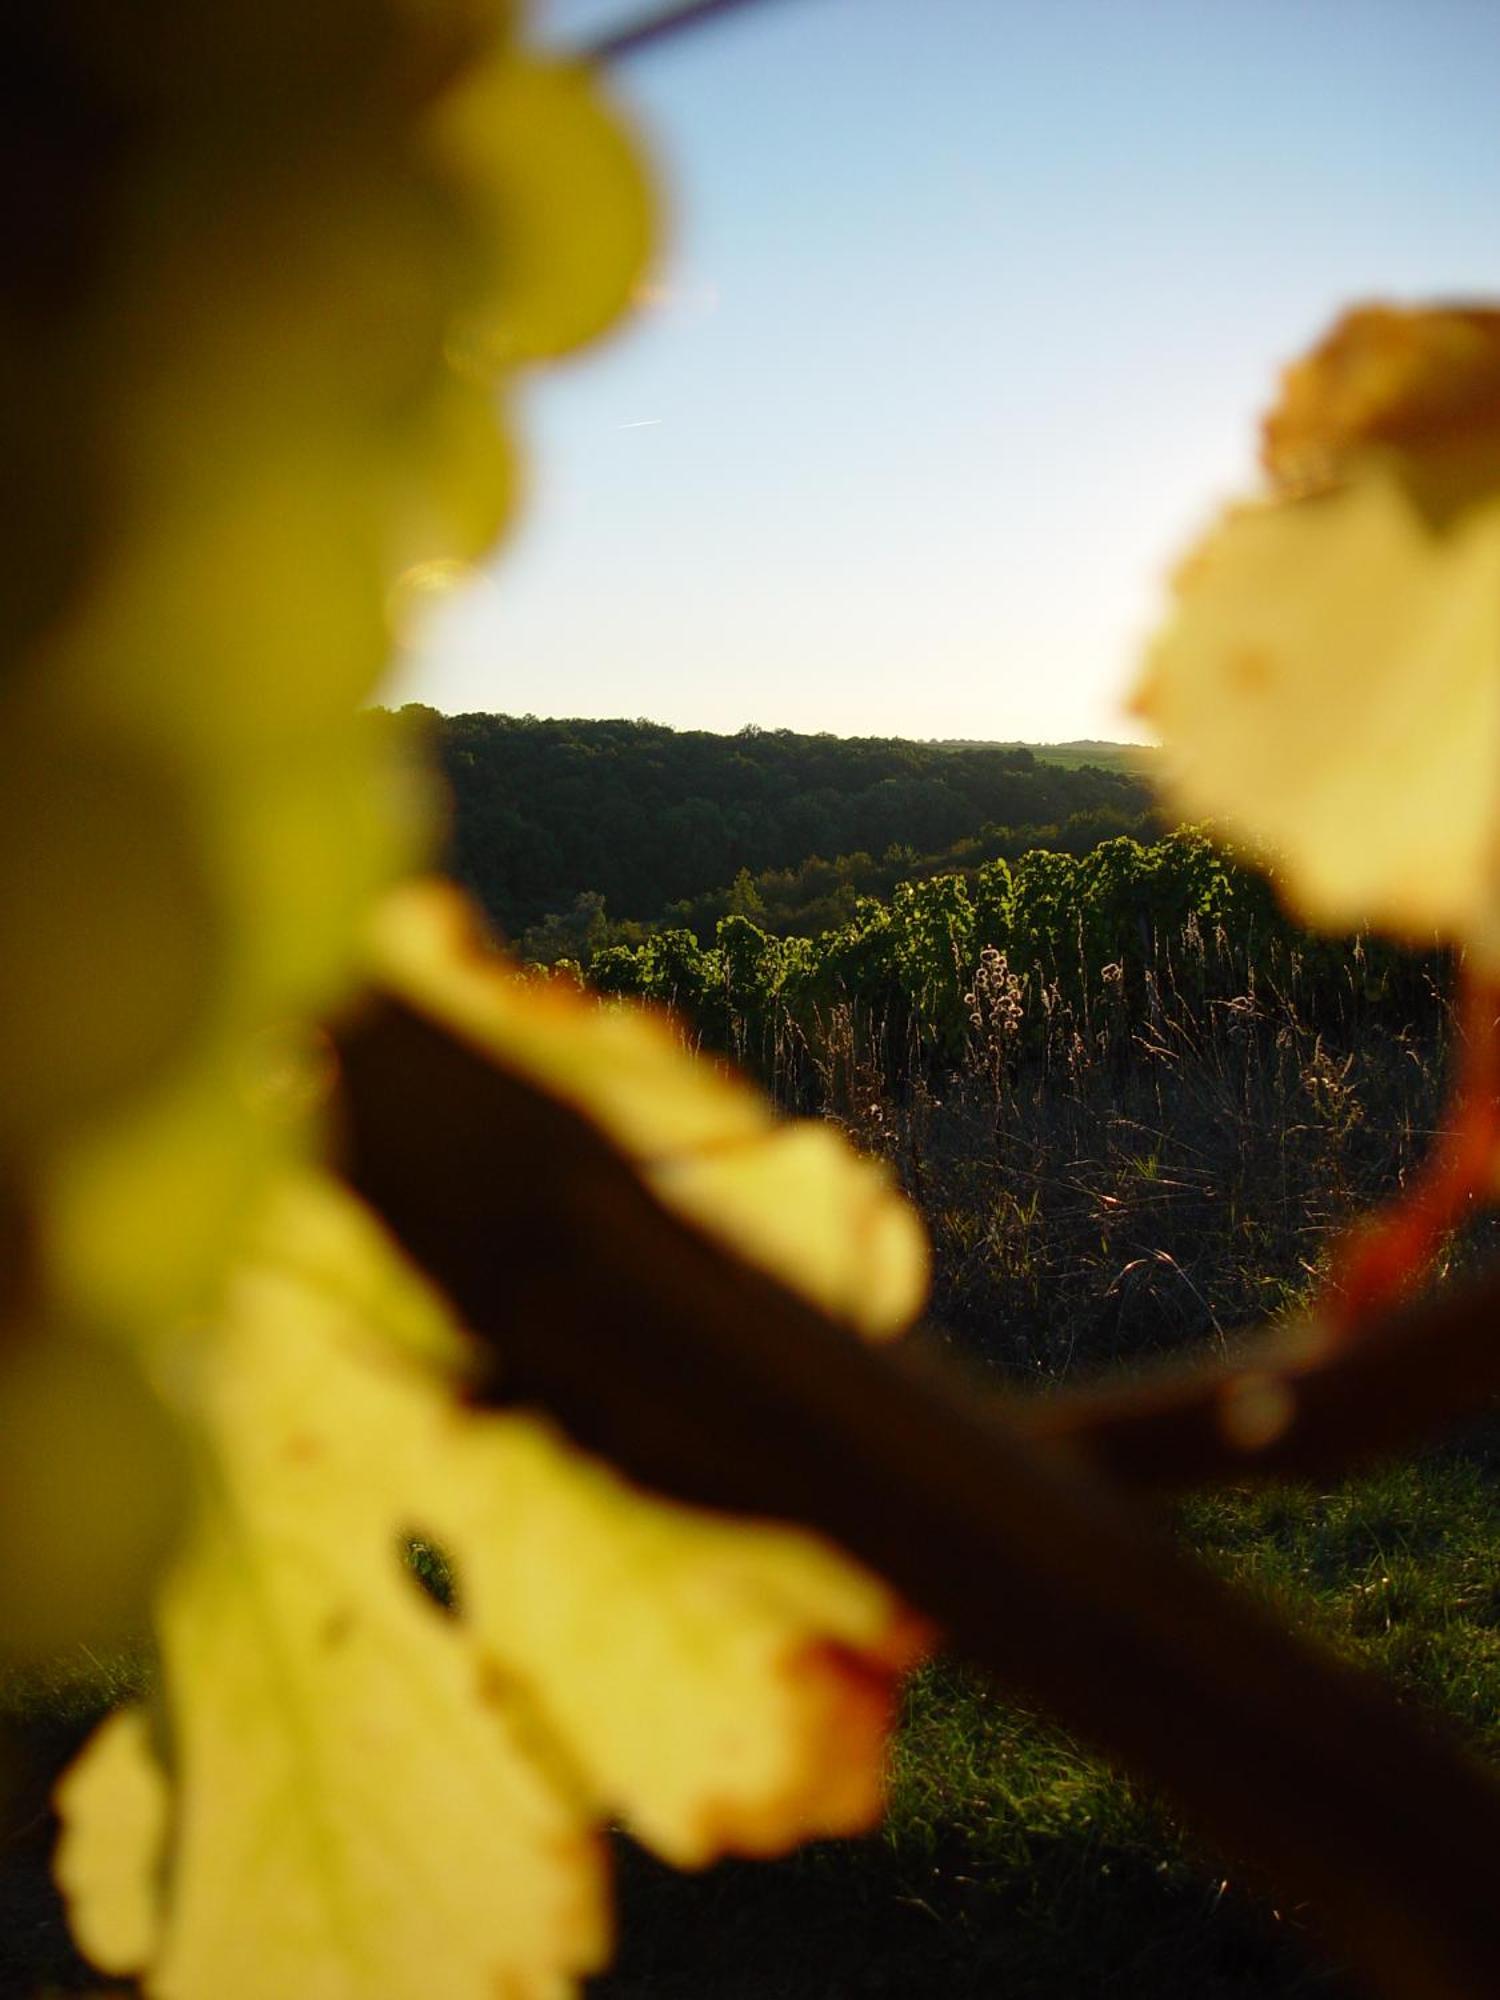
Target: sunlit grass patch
1397 1569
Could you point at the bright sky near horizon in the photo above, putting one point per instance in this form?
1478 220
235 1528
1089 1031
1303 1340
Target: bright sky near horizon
964 320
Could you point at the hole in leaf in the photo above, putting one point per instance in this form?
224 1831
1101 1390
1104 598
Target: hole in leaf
431 1569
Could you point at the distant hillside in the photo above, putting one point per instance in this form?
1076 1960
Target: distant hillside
647 817
1139 759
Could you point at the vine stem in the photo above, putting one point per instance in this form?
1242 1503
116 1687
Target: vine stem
660 25
705 1380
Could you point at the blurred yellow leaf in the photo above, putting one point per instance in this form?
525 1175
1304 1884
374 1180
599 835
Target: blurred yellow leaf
1419 387
371 1796
115 1805
1327 685
307 281
92 1484
723 1687
560 202
349 1815
326 243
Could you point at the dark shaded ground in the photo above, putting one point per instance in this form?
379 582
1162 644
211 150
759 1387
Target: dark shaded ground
849 1919
36 1954
856 1920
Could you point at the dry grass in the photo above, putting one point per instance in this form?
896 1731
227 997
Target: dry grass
1107 1175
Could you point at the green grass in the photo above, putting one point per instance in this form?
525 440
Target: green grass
1014 1863
1397 1570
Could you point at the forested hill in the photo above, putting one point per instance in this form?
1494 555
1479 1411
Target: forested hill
648 816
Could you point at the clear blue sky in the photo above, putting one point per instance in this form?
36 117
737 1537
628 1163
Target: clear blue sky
968 308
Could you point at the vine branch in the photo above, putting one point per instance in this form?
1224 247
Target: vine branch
705 1380
1305 1403
659 25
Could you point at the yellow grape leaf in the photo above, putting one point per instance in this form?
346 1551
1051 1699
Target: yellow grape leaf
793 1198
116 1805
1327 685
1420 386
463 498
371 1797
333 1245
561 202
800 1203
355 1814
90 810
273 386
92 1486
723 1687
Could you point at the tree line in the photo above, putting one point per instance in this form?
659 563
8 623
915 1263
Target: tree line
659 823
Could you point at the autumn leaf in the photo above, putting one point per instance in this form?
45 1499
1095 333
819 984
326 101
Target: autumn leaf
371 1796
1327 685
349 1815
273 391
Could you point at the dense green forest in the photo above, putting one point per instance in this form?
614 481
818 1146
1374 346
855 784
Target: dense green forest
647 818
